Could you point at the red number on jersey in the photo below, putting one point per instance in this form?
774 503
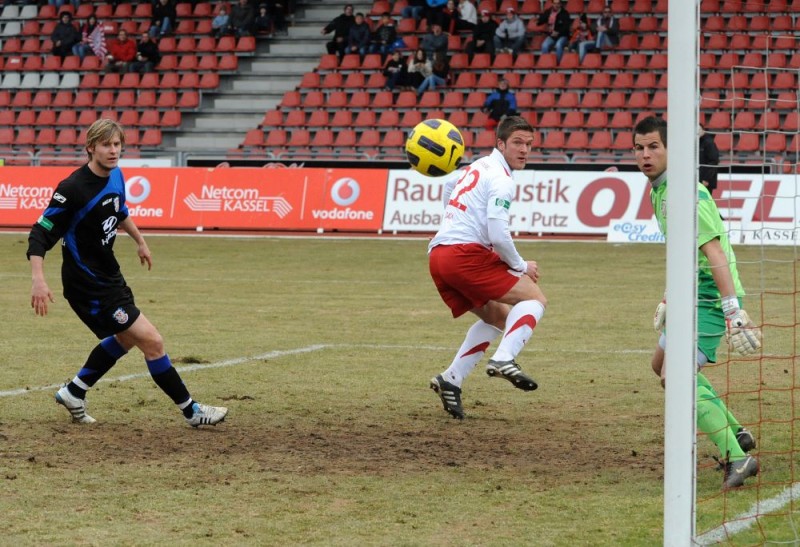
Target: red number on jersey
474 176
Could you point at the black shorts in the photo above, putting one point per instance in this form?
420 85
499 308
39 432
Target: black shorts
115 313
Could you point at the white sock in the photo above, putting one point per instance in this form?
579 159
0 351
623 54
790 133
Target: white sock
478 338
520 323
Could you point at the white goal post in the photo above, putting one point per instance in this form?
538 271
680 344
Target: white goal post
682 174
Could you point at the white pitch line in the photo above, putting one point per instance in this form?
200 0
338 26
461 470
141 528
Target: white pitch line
186 368
744 521
283 353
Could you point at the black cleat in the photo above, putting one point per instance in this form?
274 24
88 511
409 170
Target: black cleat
450 396
736 472
746 440
510 371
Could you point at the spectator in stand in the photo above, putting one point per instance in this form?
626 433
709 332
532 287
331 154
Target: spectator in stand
242 18
417 69
558 26
500 103
340 26
277 11
164 19
414 8
262 25
433 11
435 41
467 16
482 36
447 17
360 35
394 70
510 35
440 74
84 47
385 36
606 29
220 25
709 160
121 52
582 39
147 55
65 36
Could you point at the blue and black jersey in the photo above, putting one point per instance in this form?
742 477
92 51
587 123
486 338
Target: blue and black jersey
84 212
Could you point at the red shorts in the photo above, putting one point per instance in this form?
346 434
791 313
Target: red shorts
469 275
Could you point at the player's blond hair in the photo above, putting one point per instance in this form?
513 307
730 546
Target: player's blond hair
102 131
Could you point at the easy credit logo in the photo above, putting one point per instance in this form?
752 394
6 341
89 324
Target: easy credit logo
137 189
345 191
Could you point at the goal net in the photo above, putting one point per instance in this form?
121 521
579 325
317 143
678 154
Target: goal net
749 77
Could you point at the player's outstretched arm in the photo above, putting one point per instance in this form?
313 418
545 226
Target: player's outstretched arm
142 249
742 334
41 294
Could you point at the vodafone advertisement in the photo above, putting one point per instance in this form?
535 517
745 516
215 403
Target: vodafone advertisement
265 199
613 204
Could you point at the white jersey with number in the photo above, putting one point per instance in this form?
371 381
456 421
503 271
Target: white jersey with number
483 192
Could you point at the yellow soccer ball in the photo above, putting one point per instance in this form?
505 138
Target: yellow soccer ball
434 147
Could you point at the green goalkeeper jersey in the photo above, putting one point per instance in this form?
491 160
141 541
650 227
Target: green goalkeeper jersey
709 226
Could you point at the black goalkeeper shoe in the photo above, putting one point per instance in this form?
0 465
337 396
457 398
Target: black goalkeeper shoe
450 396
736 472
747 441
510 371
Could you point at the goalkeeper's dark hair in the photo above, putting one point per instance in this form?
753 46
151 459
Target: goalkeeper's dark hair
650 124
509 124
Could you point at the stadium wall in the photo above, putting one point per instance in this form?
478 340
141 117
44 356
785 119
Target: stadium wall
613 205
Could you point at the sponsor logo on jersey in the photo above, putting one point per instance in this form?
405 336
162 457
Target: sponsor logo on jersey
116 204
120 316
504 203
59 198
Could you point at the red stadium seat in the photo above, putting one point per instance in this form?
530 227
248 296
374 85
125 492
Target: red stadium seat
67 118
187 62
171 118
209 80
295 118
42 99
147 98
411 118
67 137
342 118
322 139
129 118
369 139
554 140
83 99
275 138
318 118
388 119
26 117
550 119
573 120
365 118
151 138
345 138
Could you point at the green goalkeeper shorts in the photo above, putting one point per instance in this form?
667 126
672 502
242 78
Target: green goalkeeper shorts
710 328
